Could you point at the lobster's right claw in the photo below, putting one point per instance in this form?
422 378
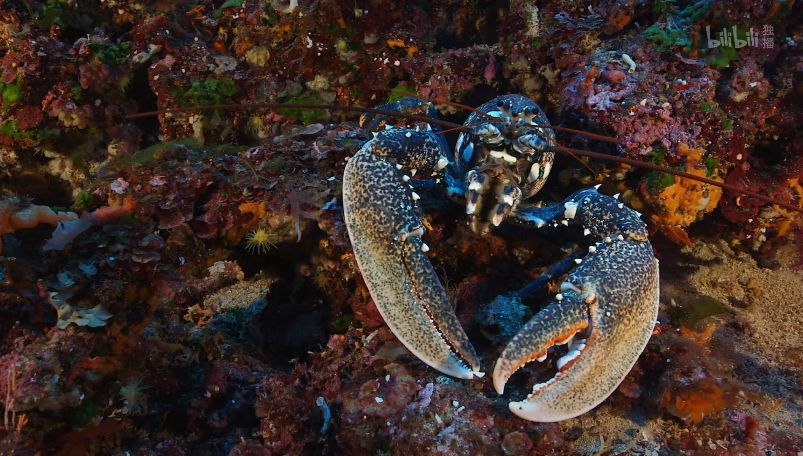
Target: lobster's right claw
385 231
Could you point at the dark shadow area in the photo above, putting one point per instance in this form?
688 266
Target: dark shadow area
140 91
40 188
473 24
297 319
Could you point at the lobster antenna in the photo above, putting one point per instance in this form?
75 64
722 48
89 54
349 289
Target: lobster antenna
413 117
461 127
450 125
496 119
641 164
583 133
553 127
491 118
450 103
573 154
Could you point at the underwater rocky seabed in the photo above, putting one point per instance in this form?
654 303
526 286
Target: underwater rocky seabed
202 296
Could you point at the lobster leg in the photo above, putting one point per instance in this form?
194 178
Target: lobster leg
606 310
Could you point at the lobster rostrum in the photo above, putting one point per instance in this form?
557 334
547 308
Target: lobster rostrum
607 306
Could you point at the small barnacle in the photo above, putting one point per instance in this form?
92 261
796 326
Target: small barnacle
258 240
136 401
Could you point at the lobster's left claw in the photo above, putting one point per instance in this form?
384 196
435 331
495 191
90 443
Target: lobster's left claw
606 312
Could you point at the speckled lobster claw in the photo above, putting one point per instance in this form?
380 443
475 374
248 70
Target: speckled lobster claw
605 312
385 231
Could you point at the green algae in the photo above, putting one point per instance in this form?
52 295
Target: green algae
11 92
305 115
208 92
691 313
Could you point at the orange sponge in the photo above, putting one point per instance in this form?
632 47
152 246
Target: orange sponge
16 213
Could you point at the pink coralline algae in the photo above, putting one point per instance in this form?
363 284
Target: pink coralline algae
634 103
383 397
36 377
516 443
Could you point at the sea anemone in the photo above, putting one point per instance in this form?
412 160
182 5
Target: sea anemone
321 280
255 125
123 82
136 401
259 241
